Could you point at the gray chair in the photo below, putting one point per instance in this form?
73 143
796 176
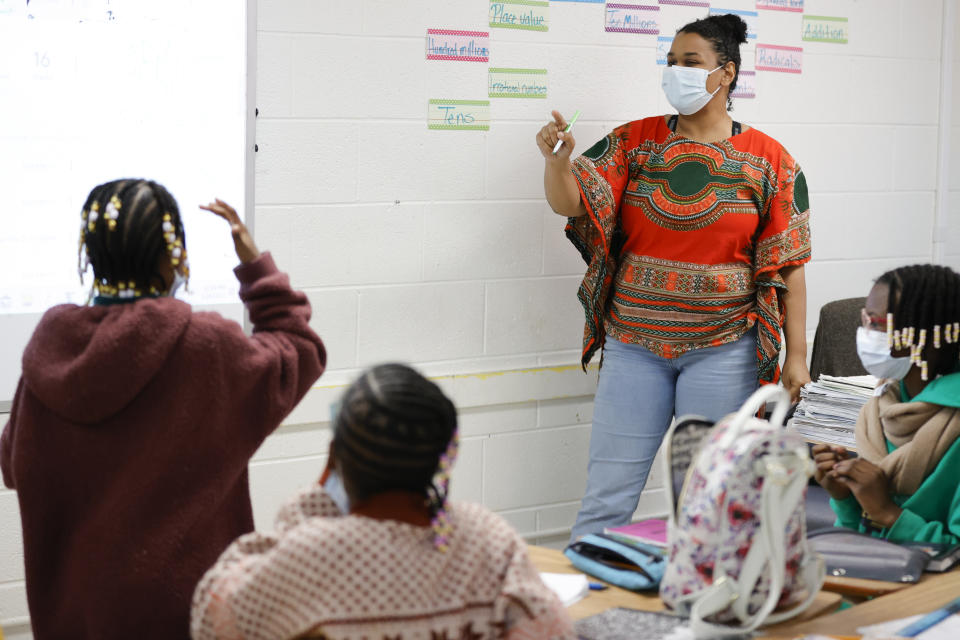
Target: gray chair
835 342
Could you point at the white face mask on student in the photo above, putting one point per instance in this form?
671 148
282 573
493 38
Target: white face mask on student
875 355
178 281
335 489
686 88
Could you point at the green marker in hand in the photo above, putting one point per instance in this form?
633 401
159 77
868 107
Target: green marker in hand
556 147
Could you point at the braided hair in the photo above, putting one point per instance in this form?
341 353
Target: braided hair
397 430
923 309
726 33
128 227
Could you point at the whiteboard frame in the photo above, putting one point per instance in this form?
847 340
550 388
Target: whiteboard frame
249 139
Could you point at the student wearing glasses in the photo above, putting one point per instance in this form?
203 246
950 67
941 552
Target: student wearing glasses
905 484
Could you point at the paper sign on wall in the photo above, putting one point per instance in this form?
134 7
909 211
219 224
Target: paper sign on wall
825 29
517 83
781 5
632 18
686 3
746 84
451 44
663 48
772 57
750 17
532 15
470 115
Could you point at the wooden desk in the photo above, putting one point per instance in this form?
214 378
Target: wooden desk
931 593
553 561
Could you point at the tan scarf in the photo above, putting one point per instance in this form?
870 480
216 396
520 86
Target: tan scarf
922 433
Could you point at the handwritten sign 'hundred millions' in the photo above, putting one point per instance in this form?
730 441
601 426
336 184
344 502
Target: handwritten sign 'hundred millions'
825 29
517 83
450 44
470 115
632 18
772 57
520 14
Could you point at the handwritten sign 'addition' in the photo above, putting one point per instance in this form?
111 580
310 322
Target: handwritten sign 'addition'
469 115
450 44
632 18
517 83
825 29
772 57
746 85
750 17
532 15
781 5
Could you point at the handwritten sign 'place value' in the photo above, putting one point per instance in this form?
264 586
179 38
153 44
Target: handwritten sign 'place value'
632 18
469 115
772 57
517 83
450 44
520 14
825 29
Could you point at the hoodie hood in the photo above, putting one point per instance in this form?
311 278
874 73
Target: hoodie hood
87 363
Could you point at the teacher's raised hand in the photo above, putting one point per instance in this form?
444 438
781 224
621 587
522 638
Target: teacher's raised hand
553 132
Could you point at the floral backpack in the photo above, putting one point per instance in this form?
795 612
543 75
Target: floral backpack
737 532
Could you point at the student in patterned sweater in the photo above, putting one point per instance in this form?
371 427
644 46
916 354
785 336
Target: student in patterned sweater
135 418
375 551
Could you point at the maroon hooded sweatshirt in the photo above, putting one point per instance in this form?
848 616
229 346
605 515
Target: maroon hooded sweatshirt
128 445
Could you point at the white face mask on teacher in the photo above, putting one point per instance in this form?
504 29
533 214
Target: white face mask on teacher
686 88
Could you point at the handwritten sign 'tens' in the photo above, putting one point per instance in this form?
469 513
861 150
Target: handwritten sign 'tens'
532 15
470 115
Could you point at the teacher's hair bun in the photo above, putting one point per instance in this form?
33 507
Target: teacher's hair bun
734 25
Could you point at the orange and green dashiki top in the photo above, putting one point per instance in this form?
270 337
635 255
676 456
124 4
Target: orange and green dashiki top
685 240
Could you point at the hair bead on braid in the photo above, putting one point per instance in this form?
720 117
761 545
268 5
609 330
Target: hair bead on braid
396 430
126 240
924 300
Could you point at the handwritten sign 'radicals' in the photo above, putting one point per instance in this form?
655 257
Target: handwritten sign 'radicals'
470 115
532 15
771 57
632 18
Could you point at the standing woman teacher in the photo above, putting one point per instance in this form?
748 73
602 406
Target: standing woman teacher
695 230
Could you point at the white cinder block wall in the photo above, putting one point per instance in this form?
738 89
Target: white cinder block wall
436 247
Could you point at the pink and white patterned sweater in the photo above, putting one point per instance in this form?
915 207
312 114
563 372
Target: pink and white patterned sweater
323 574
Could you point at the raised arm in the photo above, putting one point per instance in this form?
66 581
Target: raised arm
559 183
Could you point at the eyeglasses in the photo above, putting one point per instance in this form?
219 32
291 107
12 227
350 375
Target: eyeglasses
868 321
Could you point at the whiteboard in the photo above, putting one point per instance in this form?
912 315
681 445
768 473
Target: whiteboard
94 90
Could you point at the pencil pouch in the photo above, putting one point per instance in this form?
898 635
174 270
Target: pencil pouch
634 566
851 554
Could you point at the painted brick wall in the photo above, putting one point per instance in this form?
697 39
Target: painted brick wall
436 247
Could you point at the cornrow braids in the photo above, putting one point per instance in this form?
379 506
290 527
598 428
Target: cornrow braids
128 227
397 430
924 313
726 33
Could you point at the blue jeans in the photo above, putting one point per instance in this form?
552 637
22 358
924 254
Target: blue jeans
638 395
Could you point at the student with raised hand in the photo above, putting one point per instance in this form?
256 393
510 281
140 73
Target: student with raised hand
695 229
905 484
375 550
135 418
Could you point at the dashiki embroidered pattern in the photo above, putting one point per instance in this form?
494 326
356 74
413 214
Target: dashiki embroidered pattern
684 241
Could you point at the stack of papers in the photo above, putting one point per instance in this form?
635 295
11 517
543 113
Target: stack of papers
829 408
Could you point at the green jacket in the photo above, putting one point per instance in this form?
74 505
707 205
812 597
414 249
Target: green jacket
932 514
